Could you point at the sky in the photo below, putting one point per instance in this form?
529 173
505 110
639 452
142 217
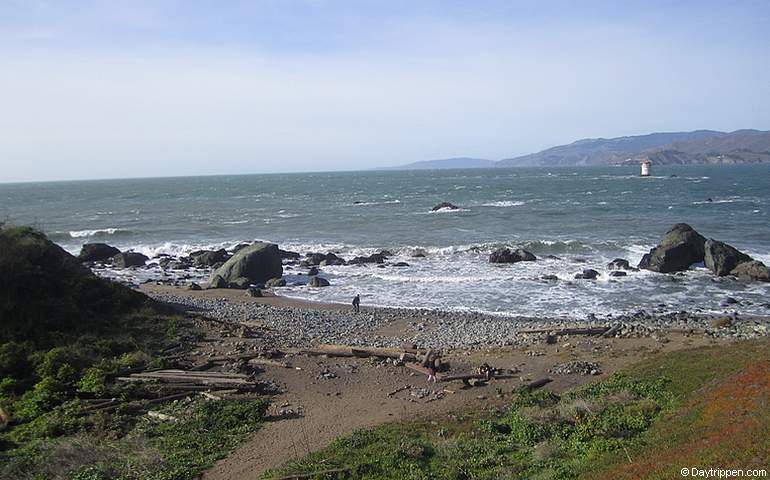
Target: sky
112 89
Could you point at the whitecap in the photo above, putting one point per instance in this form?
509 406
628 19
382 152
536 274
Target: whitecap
504 203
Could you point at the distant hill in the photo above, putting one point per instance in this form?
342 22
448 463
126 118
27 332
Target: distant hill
741 146
458 162
603 151
665 148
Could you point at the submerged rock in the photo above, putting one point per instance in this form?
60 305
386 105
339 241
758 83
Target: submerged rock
722 258
257 263
505 255
97 252
680 248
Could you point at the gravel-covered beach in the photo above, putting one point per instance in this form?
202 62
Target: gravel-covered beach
289 323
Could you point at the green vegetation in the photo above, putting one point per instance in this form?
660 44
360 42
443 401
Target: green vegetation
66 333
646 422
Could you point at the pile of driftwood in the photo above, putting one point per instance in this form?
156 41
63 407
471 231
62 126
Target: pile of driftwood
425 361
194 380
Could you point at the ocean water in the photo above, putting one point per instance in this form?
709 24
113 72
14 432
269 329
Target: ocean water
583 216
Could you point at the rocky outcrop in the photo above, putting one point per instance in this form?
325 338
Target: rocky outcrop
722 258
680 248
444 206
97 252
752 271
129 259
318 282
209 258
257 263
506 255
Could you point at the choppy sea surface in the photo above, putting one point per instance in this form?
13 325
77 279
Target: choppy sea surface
585 217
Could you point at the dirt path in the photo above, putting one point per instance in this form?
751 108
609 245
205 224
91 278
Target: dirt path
357 395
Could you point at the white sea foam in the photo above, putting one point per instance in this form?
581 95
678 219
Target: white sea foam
98 231
504 203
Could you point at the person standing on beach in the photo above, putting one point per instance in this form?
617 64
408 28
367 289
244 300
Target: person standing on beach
357 303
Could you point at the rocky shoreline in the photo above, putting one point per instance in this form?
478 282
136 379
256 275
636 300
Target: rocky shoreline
302 326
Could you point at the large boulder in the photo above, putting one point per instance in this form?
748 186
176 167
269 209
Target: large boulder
681 247
97 252
505 255
209 258
753 271
129 259
722 258
257 263
275 282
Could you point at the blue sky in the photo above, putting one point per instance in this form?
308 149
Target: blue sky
106 89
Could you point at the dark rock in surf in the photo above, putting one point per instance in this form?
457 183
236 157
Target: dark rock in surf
400 264
323 259
129 259
681 247
444 206
619 264
617 273
257 263
549 278
312 271
752 271
505 255
97 252
722 258
287 254
318 282
373 258
587 274
209 258
194 286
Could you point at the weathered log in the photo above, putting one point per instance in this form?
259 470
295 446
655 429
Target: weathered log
612 331
538 383
417 368
426 360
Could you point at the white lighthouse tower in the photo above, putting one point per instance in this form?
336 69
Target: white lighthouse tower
645 168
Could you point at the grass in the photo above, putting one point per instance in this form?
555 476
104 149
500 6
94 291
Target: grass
703 407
